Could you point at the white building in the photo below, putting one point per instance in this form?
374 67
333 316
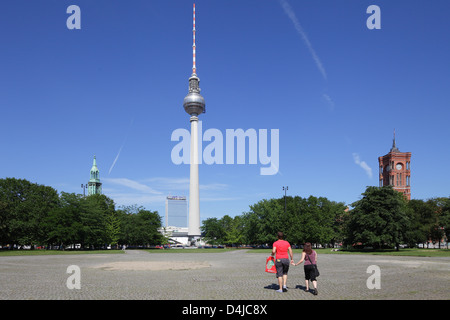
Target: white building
178 236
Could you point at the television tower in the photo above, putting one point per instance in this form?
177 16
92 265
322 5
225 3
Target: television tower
194 105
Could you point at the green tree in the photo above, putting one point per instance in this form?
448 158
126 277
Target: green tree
309 219
445 219
89 221
24 207
63 224
148 223
93 223
340 216
233 230
440 205
313 220
250 228
421 220
379 219
427 220
4 228
112 231
267 216
139 226
326 215
213 231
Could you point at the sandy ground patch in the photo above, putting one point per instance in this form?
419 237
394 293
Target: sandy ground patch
153 265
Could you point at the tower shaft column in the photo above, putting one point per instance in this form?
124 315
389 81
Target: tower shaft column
194 197
194 105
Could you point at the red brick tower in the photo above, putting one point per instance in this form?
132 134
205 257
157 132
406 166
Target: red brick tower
395 170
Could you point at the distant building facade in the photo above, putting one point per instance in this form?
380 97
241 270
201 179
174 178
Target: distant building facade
176 211
395 170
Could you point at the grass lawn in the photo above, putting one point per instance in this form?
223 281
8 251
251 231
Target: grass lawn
385 252
39 252
297 252
413 252
202 250
402 252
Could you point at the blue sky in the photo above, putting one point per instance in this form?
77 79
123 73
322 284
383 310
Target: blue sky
334 89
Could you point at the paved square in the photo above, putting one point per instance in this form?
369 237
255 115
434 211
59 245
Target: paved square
230 275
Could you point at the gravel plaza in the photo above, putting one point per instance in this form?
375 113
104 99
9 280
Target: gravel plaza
229 275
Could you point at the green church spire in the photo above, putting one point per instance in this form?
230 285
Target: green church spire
95 186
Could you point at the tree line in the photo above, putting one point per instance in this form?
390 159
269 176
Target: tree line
382 218
36 215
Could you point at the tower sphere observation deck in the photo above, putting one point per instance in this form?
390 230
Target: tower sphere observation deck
194 103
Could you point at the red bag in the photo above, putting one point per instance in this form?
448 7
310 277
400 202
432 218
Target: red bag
270 265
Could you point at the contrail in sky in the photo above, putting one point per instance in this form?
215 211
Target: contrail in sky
117 157
328 100
288 10
120 150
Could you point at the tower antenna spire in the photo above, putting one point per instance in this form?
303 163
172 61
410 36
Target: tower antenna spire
394 144
194 69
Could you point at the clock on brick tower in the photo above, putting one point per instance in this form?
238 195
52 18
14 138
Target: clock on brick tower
395 170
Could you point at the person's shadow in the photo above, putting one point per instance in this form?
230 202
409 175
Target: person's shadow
272 286
275 286
303 288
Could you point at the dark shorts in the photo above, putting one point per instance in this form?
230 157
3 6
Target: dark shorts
282 266
310 272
